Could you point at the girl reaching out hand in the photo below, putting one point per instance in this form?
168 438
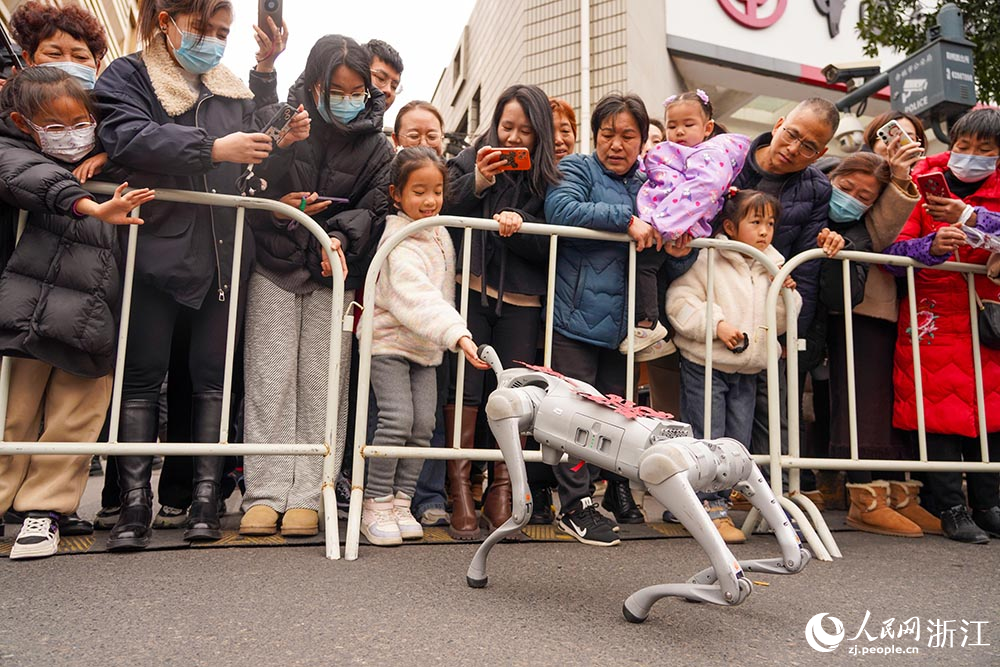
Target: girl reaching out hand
414 323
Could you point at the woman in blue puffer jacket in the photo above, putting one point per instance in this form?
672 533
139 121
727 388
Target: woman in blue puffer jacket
598 192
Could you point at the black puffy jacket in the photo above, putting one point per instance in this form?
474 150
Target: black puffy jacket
161 133
517 263
337 160
60 291
805 207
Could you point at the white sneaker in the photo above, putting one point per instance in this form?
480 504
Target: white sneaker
644 338
409 527
660 348
39 538
378 522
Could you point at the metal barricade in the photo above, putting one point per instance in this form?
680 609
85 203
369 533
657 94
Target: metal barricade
363 451
793 462
326 449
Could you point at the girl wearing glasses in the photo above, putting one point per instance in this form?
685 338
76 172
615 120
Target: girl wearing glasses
59 295
288 309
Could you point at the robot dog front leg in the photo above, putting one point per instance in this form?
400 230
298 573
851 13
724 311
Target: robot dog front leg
510 411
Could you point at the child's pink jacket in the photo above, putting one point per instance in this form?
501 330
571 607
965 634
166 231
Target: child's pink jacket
686 187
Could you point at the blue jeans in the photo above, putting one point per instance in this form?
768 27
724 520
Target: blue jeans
733 399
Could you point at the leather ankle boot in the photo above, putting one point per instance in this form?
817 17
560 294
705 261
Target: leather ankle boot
138 424
619 501
870 513
203 517
497 505
464 525
904 497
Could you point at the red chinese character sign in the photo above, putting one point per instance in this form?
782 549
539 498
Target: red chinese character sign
748 12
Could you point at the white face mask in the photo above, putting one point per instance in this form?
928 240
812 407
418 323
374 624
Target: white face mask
971 168
70 144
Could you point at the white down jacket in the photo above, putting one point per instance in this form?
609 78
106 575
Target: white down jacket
741 286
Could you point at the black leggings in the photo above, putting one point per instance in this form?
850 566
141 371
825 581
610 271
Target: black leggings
151 329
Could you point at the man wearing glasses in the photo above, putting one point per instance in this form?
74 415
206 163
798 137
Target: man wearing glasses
387 68
780 163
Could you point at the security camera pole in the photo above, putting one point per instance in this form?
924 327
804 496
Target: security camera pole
936 83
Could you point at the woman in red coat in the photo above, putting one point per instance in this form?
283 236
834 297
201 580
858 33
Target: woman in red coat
933 235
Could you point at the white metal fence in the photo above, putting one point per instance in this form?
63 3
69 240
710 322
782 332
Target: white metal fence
222 447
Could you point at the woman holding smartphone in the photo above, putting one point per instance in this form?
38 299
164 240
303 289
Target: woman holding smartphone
338 176
508 273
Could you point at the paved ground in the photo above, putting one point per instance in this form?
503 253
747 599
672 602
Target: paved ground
547 603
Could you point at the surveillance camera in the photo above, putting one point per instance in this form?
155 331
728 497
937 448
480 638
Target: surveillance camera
858 69
850 134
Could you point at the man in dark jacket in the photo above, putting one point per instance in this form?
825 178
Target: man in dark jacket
780 163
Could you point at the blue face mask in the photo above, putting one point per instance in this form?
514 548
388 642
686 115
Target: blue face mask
197 54
343 110
844 207
86 76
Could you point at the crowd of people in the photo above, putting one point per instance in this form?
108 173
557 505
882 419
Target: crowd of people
172 116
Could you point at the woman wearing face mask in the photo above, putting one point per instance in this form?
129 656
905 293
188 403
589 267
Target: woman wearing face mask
934 234
174 117
870 202
288 310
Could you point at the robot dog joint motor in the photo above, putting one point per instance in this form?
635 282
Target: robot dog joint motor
649 448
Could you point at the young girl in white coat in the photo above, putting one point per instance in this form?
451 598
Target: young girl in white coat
414 323
738 320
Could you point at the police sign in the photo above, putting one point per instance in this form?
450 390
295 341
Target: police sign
938 80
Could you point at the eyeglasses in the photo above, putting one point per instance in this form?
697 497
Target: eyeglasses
807 149
344 97
431 137
382 78
56 128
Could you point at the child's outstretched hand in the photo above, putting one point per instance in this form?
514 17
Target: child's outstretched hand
90 167
730 336
509 221
298 129
830 242
115 211
469 349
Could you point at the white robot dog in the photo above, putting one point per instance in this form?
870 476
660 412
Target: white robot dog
647 447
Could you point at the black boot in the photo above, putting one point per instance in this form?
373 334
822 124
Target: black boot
988 520
541 507
138 424
618 500
958 525
203 517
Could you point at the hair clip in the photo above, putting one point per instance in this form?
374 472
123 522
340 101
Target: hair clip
732 192
670 100
703 96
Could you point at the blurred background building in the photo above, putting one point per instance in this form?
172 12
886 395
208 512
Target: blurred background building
755 58
117 16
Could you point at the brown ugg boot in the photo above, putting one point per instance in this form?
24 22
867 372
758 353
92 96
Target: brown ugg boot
904 497
870 513
464 524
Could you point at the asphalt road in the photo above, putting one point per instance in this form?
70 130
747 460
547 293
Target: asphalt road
549 603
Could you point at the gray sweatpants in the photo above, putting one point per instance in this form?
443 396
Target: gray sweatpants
286 359
406 394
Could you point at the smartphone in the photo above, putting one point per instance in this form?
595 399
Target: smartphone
266 8
334 200
514 159
894 129
933 184
277 127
